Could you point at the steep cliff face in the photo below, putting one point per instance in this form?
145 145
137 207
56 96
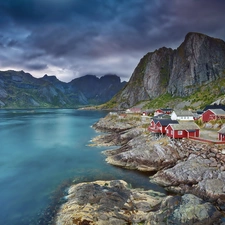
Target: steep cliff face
199 60
90 89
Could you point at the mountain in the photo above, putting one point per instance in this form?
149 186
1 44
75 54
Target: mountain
199 61
21 90
97 90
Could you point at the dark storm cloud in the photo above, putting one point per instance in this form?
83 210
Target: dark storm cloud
70 38
36 66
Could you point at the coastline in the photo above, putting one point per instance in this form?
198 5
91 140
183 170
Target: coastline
193 170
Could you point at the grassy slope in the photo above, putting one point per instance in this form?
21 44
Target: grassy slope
205 95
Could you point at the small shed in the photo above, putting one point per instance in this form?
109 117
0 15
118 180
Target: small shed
162 111
184 115
182 130
221 134
213 114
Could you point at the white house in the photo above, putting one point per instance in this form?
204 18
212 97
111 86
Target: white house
184 115
133 110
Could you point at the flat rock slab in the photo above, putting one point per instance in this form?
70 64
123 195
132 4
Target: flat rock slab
106 202
113 203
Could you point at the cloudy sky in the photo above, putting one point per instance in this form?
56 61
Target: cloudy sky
72 38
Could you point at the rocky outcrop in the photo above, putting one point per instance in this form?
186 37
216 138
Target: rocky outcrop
106 202
181 166
184 210
188 168
199 174
112 202
198 60
119 130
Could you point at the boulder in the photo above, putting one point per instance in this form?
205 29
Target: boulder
184 210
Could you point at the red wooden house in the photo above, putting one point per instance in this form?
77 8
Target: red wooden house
159 125
221 134
182 130
213 114
162 111
133 110
152 127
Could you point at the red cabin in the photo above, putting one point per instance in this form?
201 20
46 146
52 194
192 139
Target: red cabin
221 134
159 125
213 114
182 130
152 127
162 111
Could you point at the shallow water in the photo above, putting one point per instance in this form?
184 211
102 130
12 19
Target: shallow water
40 150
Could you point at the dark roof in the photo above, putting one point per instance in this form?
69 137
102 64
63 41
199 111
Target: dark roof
214 107
165 122
199 112
167 109
161 116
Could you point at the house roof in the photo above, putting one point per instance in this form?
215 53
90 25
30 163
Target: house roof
196 115
214 107
165 122
167 109
222 130
185 126
183 113
218 112
161 116
199 112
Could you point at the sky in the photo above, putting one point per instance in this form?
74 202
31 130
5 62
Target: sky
72 38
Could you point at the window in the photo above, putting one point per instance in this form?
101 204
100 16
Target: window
180 132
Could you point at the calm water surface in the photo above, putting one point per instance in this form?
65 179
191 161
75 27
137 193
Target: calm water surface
40 150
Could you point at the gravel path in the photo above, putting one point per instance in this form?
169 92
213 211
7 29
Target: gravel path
209 134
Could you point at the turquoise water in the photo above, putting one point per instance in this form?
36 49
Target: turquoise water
42 149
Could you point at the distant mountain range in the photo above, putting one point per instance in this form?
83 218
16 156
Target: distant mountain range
191 76
194 74
21 90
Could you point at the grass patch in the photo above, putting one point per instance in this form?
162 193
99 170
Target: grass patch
163 101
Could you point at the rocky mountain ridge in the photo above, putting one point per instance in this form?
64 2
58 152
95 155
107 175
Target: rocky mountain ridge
198 61
21 90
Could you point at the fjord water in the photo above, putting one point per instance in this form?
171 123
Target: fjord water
41 149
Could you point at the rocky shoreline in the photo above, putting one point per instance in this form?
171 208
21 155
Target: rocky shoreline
113 203
193 170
